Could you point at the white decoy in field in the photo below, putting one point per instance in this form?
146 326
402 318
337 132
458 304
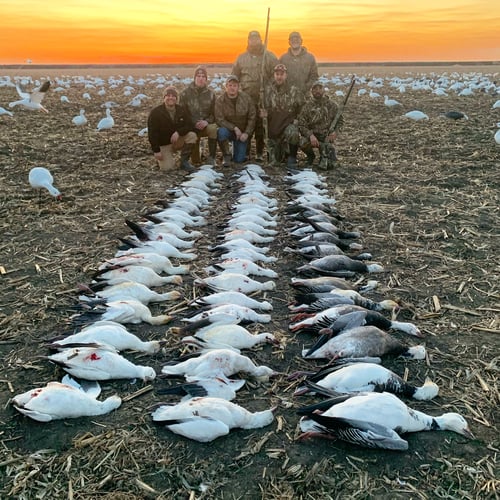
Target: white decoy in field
133 290
101 363
158 263
364 377
107 122
375 420
5 112
67 399
32 100
139 274
80 119
107 333
217 363
205 419
496 104
391 102
234 281
123 311
143 132
65 99
41 178
416 115
497 136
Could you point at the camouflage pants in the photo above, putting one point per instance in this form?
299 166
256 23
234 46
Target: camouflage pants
279 147
327 154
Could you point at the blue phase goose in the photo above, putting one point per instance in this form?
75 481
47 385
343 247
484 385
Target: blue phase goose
374 420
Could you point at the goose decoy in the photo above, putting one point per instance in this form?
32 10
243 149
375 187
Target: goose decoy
391 102
335 265
158 263
234 281
40 178
205 387
217 363
222 336
205 419
375 420
242 266
416 115
121 311
32 100
129 290
80 119
139 274
364 377
107 122
67 399
359 342
108 333
99 363
233 297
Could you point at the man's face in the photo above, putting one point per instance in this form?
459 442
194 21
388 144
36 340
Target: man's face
317 91
254 41
295 42
280 77
232 88
200 80
170 100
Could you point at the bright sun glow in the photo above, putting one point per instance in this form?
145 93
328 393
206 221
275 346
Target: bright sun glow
160 32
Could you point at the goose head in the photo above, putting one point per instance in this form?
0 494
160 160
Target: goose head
454 422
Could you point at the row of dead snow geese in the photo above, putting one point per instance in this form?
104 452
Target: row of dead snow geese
347 324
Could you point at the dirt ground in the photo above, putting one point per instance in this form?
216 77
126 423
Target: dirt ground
423 194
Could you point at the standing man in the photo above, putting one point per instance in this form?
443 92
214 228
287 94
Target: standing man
170 129
301 64
235 115
248 68
200 102
282 105
315 120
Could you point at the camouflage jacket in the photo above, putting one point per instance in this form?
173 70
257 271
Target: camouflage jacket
302 70
248 67
284 97
316 117
200 102
238 112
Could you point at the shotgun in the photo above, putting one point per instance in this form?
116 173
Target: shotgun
342 106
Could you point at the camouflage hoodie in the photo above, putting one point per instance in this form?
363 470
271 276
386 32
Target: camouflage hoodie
200 102
316 117
302 69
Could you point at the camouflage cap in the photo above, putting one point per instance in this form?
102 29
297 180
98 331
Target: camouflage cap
280 68
317 83
232 78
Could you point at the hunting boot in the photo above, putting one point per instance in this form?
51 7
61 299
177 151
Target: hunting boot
292 156
195 154
324 151
226 154
259 148
332 158
309 155
212 151
186 151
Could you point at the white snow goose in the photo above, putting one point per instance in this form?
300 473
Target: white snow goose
32 100
338 265
242 266
217 363
229 314
64 400
233 297
158 263
375 420
159 247
236 282
364 377
104 363
205 419
41 178
205 387
139 274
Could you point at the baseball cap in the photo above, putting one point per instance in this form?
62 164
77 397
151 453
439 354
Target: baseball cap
280 68
294 34
254 33
232 78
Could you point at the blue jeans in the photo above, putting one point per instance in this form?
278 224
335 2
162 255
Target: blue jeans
239 147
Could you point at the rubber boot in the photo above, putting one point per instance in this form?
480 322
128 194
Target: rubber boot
186 151
226 155
259 148
292 156
195 154
310 155
212 151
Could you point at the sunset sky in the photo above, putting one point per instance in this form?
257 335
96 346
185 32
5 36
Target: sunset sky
211 31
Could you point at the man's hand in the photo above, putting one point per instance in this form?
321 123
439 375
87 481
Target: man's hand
263 113
331 137
314 141
158 156
237 132
174 137
201 124
243 137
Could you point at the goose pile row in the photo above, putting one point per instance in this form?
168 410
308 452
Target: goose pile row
351 333
217 332
119 295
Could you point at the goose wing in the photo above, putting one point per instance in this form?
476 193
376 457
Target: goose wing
38 94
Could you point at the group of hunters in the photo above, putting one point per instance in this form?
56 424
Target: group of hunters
284 94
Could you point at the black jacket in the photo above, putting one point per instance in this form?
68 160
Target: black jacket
161 126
